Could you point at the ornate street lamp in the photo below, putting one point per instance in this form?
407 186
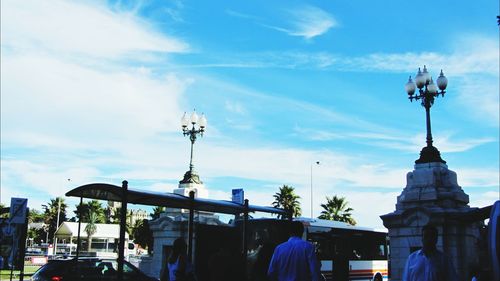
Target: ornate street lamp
427 91
198 125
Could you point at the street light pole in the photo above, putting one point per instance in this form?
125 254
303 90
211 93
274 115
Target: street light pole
198 125
427 92
54 240
57 224
317 163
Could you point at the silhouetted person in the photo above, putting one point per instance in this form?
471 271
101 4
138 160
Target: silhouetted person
259 271
429 264
294 259
178 267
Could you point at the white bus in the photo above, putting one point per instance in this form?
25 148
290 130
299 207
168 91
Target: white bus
346 252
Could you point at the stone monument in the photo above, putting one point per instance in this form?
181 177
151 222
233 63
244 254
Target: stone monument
432 196
173 223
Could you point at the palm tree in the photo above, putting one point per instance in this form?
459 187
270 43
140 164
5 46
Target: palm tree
93 206
288 200
91 229
336 209
50 212
156 212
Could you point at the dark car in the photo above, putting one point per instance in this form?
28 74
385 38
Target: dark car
88 269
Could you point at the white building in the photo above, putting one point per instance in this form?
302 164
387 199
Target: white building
104 240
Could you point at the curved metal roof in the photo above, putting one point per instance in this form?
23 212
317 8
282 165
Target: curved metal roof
109 192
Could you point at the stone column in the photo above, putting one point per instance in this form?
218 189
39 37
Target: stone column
165 230
432 195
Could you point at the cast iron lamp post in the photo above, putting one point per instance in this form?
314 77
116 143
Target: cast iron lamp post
198 125
427 92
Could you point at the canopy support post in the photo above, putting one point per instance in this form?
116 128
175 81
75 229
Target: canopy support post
190 226
78 241
123 226
245 240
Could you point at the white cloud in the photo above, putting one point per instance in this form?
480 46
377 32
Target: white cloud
484 199
235 107
478 97
475 54
309 22
79 28
305 21
476 177
446 141
62 97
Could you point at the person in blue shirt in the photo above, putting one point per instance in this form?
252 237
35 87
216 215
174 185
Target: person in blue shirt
295 259
429 263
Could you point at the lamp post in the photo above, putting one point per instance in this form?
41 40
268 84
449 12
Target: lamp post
198 125
315 163
427 92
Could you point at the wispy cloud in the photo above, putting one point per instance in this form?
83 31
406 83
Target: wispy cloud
305 21
309 22
242 15
458 62
395 139
235 107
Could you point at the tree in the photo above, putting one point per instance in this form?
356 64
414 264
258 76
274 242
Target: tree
288 200
93 206
143 235
91 229
336 209
36 233
35 216
128 221
50 211
156 212
4 211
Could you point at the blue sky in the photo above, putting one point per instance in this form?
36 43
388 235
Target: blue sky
93 91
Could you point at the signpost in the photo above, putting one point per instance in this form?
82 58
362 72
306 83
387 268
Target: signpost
15 231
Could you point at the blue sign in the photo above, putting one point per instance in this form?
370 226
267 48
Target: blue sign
18 210
238 196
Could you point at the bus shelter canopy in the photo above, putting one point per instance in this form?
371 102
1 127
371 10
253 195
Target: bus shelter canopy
109 192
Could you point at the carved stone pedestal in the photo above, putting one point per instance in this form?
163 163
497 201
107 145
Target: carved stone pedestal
432 195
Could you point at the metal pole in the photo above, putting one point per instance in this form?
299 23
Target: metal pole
57 224
428 123
192 137
245 241
79 226
22 250
190 226
123 226
311 191
312 208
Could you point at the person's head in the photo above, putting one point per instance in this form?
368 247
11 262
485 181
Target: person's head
179 248
296 228
429 237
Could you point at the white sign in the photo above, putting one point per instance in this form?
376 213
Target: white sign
18 210
238 196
